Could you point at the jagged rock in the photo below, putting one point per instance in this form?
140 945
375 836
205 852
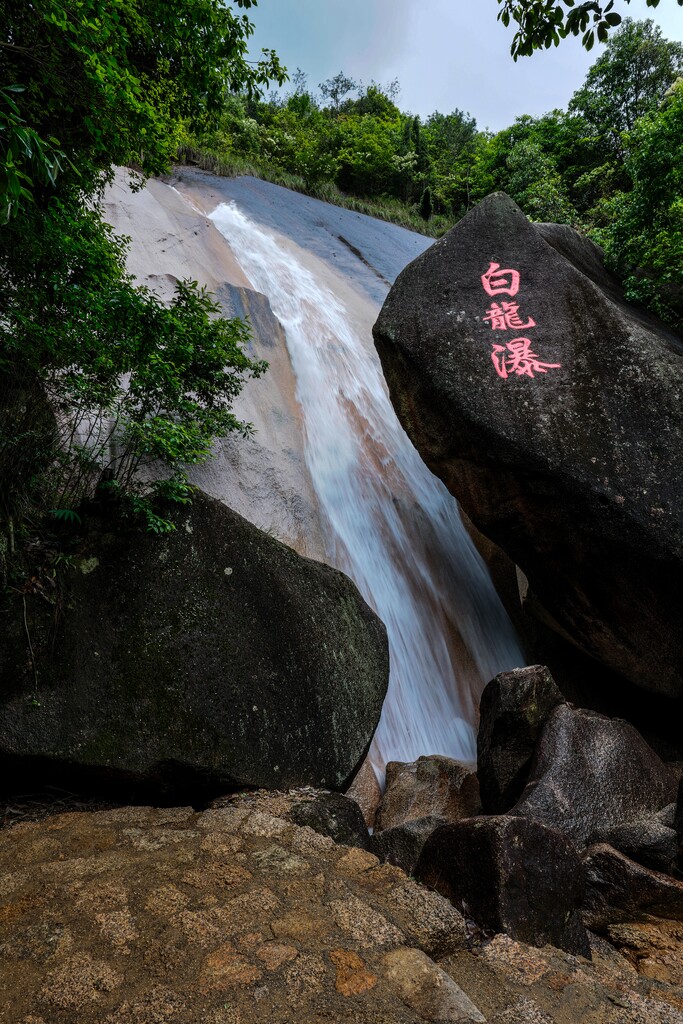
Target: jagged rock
513 708
551 409
333 815
366 791
667 816
678 826
510 875
592 773
433 785
647 841
207 658
619 890
402 844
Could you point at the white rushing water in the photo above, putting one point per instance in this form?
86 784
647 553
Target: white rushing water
391 525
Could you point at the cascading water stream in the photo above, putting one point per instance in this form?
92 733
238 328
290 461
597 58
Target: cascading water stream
391 525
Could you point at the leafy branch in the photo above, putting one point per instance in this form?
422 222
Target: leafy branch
543 23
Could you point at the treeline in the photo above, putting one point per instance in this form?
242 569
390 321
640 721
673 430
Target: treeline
611 164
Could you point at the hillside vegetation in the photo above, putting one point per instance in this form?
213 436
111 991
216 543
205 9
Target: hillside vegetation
611 164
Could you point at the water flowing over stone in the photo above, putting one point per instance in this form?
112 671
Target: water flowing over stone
390 524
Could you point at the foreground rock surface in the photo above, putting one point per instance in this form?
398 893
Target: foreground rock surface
591 773
551 409
511 875
232 916
209 657
512 710
141 915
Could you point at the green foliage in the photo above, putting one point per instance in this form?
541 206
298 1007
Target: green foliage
627 80
25 158
134 382
130 382
543 23
534 183
66 515
644 236
114 79
335 89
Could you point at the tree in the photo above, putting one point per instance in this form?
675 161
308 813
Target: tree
93 83
534 183
627 80
543 23
644 238
114 80
335 89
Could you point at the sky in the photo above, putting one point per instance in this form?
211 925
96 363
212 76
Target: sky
446 54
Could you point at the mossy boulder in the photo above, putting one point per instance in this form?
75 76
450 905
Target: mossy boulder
210 657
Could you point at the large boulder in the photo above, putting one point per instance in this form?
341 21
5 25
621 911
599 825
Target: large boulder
551 409
432 785
208 658
512 710
510 875
592 773
420 796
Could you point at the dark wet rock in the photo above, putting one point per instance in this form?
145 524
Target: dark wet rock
592 773
333 815
618 890
510 875
678 827
402 844
667 816
571 467
513 708
205 659
648 841
433 785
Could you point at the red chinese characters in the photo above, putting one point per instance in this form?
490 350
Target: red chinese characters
500 282
514 357
503 316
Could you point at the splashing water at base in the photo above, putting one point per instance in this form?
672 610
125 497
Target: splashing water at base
391 525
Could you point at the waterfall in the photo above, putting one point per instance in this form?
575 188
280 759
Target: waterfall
390 524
